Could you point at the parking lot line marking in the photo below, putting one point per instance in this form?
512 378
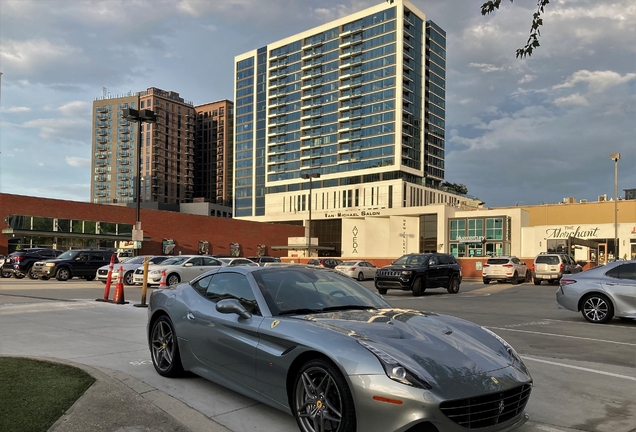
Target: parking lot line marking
493 289
563 336
547 428
627 377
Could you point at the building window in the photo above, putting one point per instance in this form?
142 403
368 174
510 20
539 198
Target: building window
494 228
475 227
457 228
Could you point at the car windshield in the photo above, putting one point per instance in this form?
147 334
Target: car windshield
225 260
410 260
68 255
175 261
133 260
302 290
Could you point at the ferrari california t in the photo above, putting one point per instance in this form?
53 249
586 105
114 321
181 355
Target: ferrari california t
323 348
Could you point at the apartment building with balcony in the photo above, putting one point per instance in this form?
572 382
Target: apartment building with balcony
359 102
213 152
164 157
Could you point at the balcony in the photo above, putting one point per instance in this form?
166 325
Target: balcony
101 132
100 186
102 109
101 163
125 146
125 138
101 155
101 147
125 123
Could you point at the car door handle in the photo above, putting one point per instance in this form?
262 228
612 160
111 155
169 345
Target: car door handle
611 284
190 316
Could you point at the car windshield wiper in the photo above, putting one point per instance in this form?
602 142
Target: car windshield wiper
347 307
301 311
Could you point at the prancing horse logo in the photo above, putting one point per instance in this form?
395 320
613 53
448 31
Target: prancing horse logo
502 406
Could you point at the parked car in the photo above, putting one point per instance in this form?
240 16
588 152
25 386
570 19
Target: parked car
232 262
552 266
337 349
601 293
182 268
360 270
264 260
20 263
129 265
419 272
331 263
5 273
73 263
506 269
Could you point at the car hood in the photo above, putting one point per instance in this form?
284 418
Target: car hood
441 346
401 267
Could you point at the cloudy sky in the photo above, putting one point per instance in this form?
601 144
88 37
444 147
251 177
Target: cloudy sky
518 131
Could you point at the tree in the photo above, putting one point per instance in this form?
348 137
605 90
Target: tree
459 188
535 32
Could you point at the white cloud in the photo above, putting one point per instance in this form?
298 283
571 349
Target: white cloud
598 81
15 109
63 129
574 99
526 79
74 108
78 161
484 67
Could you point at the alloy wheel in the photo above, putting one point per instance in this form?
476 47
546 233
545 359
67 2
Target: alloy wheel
596 309
163 346
318 401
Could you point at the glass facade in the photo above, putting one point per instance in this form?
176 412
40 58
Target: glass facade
478 237
435 92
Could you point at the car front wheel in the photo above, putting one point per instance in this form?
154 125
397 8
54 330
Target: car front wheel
418 287
597 309
128 278
164 348
30 273
382 291
321 399
173 279
63 274
360 276
453 286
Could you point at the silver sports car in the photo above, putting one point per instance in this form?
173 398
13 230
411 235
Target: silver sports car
601 293
320 346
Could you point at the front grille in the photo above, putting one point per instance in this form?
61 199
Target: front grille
102 272
487 410
389 273
388 284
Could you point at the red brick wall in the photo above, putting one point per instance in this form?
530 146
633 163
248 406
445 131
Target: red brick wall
186 229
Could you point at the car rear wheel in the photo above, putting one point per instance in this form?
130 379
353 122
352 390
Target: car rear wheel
18 274
382 291
528 276
63 274
173 279
453 286
418 287
537 281
360 276
597 309
322 400
164 348
515 279
486 281
128 278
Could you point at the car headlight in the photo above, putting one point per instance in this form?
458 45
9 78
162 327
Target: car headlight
49 264
509 349
155 272
394 369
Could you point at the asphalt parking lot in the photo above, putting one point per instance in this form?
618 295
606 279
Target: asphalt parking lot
585 374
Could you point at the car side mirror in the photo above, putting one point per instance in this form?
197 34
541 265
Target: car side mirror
228 306
188 265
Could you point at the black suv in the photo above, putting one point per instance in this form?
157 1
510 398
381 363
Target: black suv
417 272
77 262
20 263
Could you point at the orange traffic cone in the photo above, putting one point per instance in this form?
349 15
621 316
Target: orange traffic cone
162 284
119 288
108 279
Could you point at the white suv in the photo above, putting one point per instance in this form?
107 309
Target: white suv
505 269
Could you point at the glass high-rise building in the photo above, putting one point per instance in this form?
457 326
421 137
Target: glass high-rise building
359 101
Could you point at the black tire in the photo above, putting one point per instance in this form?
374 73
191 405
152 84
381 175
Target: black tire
453 286
44 278
30 273
164 348
537 281
128 278
321 395
360 277
597 309
63 274
382 291
5 274
172 279
89 278
18 275
528 276
418 287
486 281
515 279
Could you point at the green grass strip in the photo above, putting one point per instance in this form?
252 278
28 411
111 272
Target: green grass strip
35 394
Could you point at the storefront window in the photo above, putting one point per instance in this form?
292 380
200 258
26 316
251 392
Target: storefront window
42 224
494 249
494 228
475 249
457 228
475 227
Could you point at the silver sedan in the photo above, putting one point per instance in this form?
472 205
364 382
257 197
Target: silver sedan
360 270
601 293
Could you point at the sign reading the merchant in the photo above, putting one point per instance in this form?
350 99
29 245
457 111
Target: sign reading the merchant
571 231
470 239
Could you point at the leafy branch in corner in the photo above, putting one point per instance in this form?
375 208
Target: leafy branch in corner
535 31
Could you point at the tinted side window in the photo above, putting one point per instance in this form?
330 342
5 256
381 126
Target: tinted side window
231 285
97 256
627 271
613 272
202 285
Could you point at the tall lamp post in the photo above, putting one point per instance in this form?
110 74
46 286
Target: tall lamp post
615 157
310 177
139 116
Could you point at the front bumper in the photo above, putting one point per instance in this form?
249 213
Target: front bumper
417 406
45 271
392 283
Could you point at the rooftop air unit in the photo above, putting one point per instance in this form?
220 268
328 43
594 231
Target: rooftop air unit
602 197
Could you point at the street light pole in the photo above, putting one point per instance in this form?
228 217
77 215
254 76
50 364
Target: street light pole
139 116
310 177
615 157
